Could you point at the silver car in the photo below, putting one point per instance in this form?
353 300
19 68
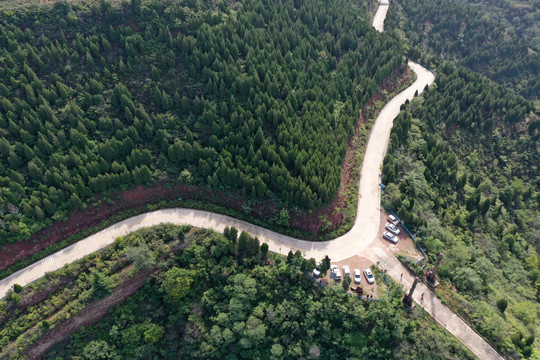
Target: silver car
390 237
391 227
357 276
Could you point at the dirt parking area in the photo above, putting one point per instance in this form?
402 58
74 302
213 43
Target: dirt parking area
405 246
355 262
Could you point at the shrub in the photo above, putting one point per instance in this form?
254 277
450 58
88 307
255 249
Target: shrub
502 304
346 282
15 297
516 338
467 279
527 351
17 288
46 325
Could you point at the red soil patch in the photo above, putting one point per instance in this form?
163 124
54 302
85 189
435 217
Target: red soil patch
137 198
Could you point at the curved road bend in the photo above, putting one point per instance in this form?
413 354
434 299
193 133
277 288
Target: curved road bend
362 234
356 241
380 15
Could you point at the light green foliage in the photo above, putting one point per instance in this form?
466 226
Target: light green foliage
177 283
154 334
466 279
98 350
465 182
525 311
253 310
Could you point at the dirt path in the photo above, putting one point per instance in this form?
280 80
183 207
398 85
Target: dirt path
90 315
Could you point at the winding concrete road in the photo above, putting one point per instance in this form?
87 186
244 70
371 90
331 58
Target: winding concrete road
380 15
359 238
358 241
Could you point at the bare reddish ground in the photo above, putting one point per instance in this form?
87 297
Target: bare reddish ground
138 197
135 198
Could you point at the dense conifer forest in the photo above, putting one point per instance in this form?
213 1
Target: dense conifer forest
466 36
258 97
520 17
463 172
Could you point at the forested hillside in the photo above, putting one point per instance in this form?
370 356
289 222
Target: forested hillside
519 16
212 296
463 172
257 97
466 36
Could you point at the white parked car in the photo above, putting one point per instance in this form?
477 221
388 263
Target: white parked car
390 237
391 227
393 220
357 276
346 271
369 276
317 272
336 272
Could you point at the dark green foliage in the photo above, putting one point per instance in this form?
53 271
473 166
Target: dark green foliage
519 16
461 33
325 265
45 324
264 249
102 285
502 304
17 288
346 282
261 103
529 340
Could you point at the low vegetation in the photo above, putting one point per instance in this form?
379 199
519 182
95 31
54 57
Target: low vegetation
213 296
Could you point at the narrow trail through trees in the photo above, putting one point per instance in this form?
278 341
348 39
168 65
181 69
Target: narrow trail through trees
359 240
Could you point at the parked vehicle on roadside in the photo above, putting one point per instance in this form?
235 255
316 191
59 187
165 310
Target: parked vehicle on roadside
393 220
336 272
357 276
346 270
391 227
317 272
390 237
369 276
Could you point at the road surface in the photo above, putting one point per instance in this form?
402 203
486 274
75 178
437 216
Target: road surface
359 240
